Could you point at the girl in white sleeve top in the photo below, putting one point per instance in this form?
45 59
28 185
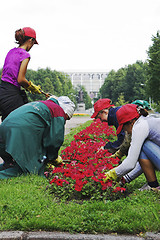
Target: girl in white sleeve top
145 144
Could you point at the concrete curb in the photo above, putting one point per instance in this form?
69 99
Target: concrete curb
21 235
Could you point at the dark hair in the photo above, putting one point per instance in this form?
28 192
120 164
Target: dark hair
142 111
129 122
20 36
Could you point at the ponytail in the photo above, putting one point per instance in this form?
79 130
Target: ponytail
142 111
20 36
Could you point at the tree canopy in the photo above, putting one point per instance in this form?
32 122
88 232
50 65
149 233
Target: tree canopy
129 82
52 82
153 83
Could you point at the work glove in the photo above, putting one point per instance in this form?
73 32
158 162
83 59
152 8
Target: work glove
58 160
118 154
110 175
34 88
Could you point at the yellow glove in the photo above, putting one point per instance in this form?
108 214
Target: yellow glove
34 88
59 160
111 175
118 154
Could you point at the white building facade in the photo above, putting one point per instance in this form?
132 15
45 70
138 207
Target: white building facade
92 81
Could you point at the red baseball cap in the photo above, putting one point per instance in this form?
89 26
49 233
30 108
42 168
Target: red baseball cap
100 105
125 114
30 32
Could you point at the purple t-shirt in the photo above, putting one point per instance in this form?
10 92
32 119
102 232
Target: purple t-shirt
12 65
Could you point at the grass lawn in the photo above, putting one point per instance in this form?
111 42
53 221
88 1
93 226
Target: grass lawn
26 204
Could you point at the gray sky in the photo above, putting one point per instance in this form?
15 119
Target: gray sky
82 35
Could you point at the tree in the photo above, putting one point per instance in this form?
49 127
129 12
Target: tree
153 83
48 87
106 91
117 87
129 82
120 101
135 81
53 82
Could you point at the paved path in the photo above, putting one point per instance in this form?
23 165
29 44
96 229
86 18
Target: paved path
75 122
67 236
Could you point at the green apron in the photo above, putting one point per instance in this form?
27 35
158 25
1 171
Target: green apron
29 133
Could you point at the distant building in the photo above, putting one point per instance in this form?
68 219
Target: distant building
92 81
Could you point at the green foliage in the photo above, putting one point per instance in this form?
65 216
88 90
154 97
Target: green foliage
128 82
107 89
156 107
135 81
120 101
153 83
56 83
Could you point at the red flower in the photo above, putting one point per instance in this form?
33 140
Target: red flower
119 189
86 164
89 173
67 173
59 182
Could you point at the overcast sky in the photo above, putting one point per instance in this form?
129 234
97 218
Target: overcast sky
82 35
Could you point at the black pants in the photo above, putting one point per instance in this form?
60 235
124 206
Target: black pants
11 97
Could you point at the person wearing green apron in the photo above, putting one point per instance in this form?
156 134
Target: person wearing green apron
31 136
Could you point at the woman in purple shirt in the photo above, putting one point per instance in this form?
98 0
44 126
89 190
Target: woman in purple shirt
14 71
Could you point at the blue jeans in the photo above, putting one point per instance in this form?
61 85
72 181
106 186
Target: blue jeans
151 151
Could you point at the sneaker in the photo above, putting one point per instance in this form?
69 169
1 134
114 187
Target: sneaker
145 187
157 189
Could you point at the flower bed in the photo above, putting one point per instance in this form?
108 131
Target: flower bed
81 175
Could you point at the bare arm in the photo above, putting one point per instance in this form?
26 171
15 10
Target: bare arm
22 72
